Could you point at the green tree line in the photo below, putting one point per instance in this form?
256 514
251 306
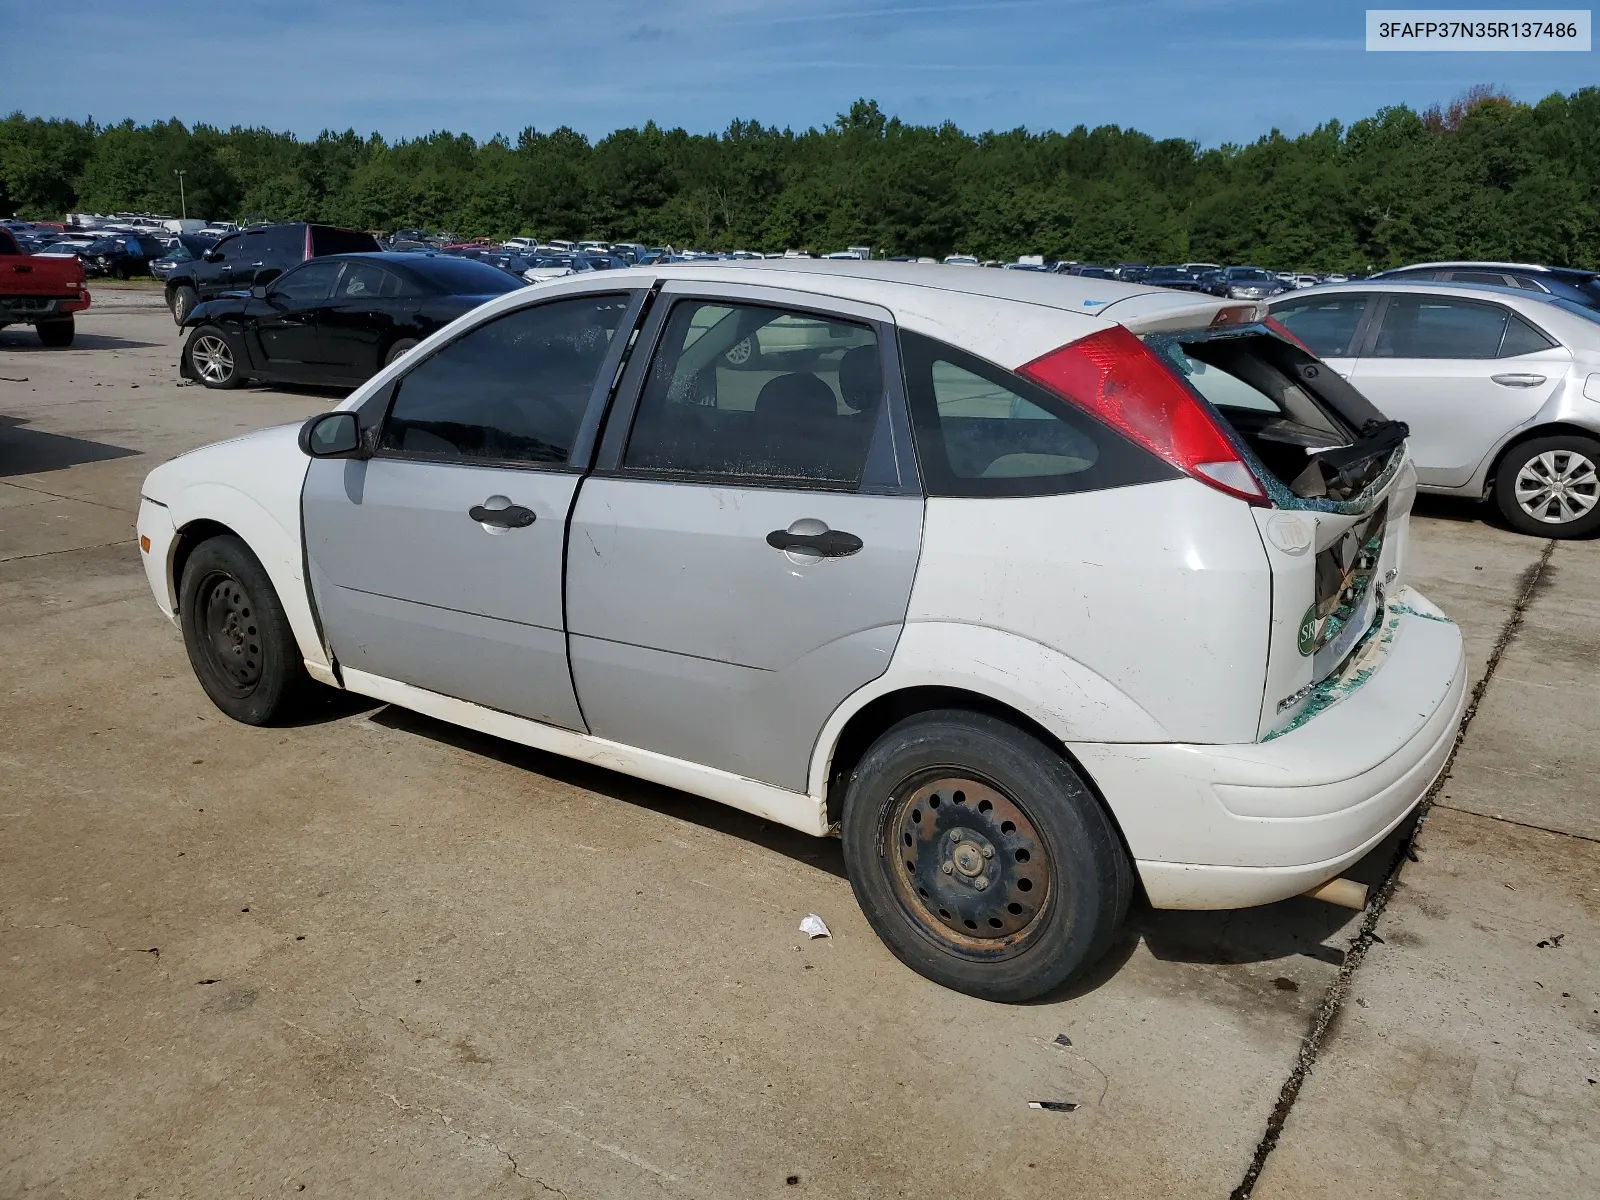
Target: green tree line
1485 177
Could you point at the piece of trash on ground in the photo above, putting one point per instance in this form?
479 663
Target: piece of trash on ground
813 927
1551 942
1054 1105
1063 1040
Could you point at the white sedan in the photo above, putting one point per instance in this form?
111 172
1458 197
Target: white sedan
1035 589
1500 388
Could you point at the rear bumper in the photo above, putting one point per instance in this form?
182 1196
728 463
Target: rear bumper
19 310
1231 826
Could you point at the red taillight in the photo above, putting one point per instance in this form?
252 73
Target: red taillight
1117 378
1282 330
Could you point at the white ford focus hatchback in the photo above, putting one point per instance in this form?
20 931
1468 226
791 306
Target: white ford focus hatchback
1036 589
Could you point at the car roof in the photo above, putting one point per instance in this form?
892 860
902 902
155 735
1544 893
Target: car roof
1484 291
1535 268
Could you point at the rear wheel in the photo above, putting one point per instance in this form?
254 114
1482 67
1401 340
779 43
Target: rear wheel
184 298
399 350
238 638
211 358
1550 486
980 857
57 333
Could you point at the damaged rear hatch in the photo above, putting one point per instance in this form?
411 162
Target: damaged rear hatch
1340 488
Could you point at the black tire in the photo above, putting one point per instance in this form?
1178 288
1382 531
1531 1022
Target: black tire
184 298
1550 486
947 798
238 638
401 348
119 271
211 358
57 333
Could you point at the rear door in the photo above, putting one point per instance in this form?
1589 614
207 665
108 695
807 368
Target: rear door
1462 373
286 331
742 559
438 561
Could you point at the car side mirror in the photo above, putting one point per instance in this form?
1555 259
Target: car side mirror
332 435
212 256
259 291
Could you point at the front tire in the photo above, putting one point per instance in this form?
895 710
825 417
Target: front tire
184 298
1550 486
399 350
57 334
211 359
981 858
237 635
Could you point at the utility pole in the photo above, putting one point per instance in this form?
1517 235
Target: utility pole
183 203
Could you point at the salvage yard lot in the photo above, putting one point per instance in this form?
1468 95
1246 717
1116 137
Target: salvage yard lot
377 955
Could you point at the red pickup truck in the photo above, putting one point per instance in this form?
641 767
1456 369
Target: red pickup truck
40 290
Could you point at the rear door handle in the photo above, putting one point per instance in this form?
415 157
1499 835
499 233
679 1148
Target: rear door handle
22 269
1516 380
512 516
811 534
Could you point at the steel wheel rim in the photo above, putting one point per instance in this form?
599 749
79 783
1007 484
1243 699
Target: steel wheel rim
1557 487
230 633
739 353
968 865
212 359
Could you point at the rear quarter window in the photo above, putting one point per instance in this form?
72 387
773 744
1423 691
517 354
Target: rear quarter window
983 431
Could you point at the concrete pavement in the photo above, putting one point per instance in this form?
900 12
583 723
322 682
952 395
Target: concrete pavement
375 955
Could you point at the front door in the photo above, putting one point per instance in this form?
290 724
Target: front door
438 562
1462 373
285 322
1329 324
743 558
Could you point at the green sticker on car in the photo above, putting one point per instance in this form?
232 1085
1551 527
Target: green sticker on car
1308 632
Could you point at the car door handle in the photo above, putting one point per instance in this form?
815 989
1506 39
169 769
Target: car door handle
811 534
512 516
22 269
1515 380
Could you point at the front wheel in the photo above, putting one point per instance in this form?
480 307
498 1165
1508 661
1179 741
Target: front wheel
981 858
58 333
237 635
184 298
1550 486
211 358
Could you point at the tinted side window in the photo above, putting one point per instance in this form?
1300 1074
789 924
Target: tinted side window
234 249
325 240
282 244
1440 327
511 390
1327 324
307 284
366 281
982 431
1490 278
1522 338
757 393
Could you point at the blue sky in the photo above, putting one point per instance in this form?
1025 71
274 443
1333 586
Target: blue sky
1210 70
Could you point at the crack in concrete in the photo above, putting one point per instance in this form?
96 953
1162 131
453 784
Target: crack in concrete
10 558
1333 1000
469 1138
1582 837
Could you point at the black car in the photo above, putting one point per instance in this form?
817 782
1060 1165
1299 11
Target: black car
242 260
334 320
121 255
1172 277
1093 271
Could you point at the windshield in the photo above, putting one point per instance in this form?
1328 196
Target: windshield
547 260
1254 273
